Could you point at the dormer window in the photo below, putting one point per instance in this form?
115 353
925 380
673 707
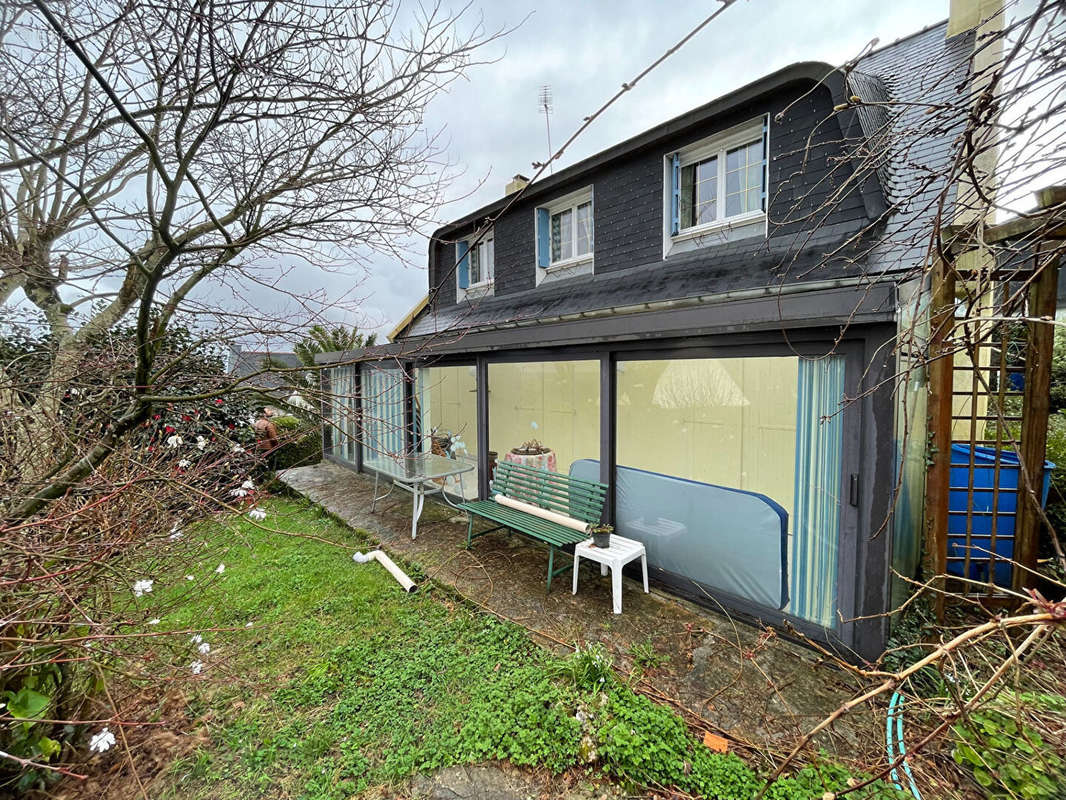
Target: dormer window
476 259
564 231
717 185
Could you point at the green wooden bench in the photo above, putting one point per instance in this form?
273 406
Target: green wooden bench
574 497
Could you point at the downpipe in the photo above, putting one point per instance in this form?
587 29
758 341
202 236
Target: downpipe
377 555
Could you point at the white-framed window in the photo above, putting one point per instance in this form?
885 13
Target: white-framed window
476 265
482 260
718 182
564 231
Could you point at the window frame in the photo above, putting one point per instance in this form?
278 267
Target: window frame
717 146
473 243
570 202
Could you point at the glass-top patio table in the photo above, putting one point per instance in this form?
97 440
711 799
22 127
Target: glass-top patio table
417 474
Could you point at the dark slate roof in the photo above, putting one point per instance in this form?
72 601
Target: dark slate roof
922 68
732 269
925 69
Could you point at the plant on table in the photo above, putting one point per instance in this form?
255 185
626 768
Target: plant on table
601 535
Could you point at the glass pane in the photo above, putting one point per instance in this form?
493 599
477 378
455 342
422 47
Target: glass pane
755 175
734 159
744 176
709 480
688 196
383 413
754 202
475 263
446 407
706 468
562 236
545 414
490 258
584 229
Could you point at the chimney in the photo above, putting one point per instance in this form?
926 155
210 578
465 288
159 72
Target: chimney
517 182
985 19
965 15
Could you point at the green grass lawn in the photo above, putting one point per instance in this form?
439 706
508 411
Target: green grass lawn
343 682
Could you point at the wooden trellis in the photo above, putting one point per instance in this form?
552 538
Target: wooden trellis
990 355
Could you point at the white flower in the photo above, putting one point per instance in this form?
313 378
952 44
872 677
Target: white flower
174 441
189 578
74 393
143 586
201 442
196 638
155 621
237 448
257 514
247 624
102 742
220 568
204 648
238 492
248 485
184 464
197 667
251 419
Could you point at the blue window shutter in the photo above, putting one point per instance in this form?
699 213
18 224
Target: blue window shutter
461 250
543 244
675 195
765 158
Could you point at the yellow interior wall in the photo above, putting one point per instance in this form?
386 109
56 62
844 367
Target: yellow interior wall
449 403
727 421
557 403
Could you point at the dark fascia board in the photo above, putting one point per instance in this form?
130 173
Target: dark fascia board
839 307
812 72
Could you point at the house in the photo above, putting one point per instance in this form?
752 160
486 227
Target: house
704 317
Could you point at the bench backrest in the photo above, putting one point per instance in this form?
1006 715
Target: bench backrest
574 497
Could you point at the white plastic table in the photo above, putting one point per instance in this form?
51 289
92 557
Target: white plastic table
620 553
413 474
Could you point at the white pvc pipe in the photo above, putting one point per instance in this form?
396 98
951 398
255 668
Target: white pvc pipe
376 555
543 513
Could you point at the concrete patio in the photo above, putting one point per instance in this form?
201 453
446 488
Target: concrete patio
751 685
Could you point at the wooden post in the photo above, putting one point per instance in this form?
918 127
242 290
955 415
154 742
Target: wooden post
1035 411
941 385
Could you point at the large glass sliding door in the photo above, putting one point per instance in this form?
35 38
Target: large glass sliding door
384 414
342 420
728 469
446 420
545 413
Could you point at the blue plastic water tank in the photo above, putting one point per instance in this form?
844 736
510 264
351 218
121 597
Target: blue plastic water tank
983 492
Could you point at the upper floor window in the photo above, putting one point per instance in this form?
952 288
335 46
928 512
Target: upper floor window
565 231
481 260
476 265
719 182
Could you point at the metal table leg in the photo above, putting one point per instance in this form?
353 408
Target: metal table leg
418 492
377 497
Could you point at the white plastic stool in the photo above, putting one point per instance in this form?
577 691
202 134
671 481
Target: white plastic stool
620 553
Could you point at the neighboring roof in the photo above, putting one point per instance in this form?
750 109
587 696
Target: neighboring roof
921 68
249 362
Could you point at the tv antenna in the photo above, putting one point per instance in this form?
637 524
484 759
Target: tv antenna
544 103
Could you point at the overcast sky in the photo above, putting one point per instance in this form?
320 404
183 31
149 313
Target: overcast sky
584 51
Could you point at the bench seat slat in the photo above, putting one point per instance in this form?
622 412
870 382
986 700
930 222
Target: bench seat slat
549 531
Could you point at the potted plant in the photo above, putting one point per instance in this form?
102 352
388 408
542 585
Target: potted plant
601 535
